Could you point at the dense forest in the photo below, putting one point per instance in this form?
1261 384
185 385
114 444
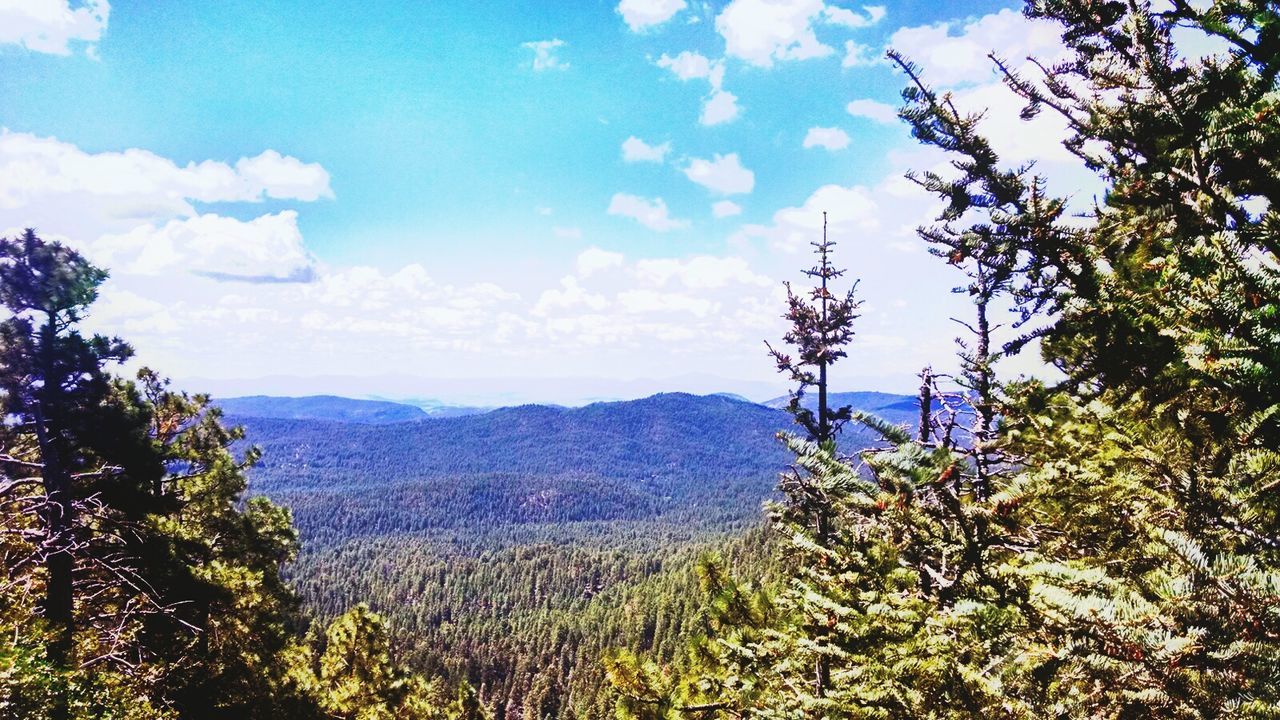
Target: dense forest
506 556
1103 543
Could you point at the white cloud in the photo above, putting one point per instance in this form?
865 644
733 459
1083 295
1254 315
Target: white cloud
720 107
567 233
1017 141
700 272
763 31
644 14
726 208
827 138
654 302
636 150
594 260
545 54
873 110
723 174
950 58
870 15
859 55
285 178
653 214
694 66
135 211
570 295
140 184
268 248
50 26
851 211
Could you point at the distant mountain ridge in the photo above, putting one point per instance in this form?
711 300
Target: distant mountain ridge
709 459
339 409
382 410
887 406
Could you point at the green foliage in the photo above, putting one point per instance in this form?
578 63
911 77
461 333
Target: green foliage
138 582
1107 546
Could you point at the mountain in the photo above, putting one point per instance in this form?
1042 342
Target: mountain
481 392
321 407
436 409
886 406
705 459
526 532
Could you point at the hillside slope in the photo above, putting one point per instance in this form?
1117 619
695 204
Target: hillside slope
320 407
513 548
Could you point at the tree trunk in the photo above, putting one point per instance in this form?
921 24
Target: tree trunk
59 599
59 520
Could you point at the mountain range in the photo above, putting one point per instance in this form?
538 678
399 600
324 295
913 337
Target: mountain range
534 531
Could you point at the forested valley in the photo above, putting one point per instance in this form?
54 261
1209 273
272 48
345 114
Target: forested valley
1099 542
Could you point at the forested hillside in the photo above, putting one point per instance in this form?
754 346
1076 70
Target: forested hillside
321 407
706 461
512 549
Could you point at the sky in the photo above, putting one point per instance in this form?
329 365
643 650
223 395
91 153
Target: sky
496 201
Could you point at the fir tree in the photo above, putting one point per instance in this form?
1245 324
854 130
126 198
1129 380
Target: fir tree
821 326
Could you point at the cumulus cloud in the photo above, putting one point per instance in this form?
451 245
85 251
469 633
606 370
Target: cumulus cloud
719 107
653 214
851 212
870 15
570 295
700 272
955 53
644 14
858 55
268 248
51 26
138 185
826 138
763 31
136 212
284 178
593 260
726 208
406 321
690 65
545 54
636 150
873 110
723 174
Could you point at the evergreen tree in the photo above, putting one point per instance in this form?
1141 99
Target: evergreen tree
139 583
1105 546
821 326
65 419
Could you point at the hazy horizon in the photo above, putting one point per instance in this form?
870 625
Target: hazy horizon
495 392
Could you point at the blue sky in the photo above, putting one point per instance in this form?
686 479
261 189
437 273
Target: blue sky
517 192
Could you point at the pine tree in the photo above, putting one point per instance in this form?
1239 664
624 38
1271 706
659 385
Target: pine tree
1145 474
1105 546
56 389
139 582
